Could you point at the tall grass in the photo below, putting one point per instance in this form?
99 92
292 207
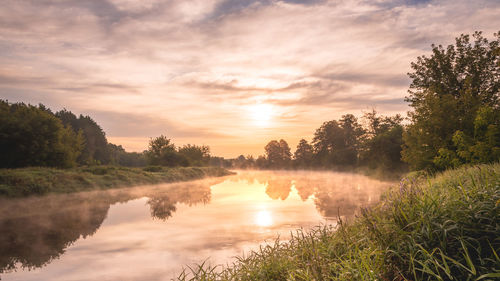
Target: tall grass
441 228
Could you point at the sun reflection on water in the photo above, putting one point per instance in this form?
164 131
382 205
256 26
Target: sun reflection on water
263 218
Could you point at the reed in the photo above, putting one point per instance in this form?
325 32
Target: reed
445 227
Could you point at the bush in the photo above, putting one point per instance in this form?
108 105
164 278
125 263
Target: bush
153 169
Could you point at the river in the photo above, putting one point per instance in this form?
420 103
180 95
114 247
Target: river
151 232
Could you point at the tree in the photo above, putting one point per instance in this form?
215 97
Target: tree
352 133
327 139
162 152
250 161
219 162
482 147
261 162
278 154
196 155
33 136
286 154
118 156
304 154
382 144
95 150
448 88
336 143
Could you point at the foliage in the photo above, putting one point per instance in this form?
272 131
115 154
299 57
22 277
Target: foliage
118 156
219 162
337 143
340 144
196 155
96 149
444 228
278 154
162 151
382 144
261 162
304 155
33 136
242 162
450 90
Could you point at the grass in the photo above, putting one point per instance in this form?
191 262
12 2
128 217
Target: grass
442 228
39 181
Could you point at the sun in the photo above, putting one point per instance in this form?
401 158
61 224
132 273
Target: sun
261 114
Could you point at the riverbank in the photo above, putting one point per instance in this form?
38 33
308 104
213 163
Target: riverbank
38 181
439 228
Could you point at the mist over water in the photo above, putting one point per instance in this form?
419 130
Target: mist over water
150 232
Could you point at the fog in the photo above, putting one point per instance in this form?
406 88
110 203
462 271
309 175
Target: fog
154 230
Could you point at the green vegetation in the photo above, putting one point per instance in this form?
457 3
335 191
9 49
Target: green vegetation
440 228
38 181
34 136
456 105
162 151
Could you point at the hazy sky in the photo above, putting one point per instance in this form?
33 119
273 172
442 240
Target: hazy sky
232 74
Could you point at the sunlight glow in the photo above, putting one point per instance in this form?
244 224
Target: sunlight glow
263 218
261 114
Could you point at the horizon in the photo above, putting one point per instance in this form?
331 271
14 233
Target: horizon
232 75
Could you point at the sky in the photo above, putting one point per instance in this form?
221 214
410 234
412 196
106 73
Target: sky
231 74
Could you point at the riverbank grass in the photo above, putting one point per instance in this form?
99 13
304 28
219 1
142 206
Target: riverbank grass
39 181
442 228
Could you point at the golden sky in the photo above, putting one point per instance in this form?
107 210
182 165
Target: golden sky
229 74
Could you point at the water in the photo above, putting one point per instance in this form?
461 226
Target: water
151 232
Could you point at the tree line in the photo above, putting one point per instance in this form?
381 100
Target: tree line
35 136
338 144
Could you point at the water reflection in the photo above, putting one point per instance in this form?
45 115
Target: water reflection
334 194
34 231
263 218
156 229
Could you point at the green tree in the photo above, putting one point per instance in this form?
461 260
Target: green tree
96 149
447 90
33 136
482 147
327 139
347 154
304 154
383 142
118 156
162 152
336 143
196 155
278 154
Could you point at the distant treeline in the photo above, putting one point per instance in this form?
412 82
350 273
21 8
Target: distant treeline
338 144
455 120
35 136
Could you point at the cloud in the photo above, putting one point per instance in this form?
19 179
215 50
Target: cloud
133 125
